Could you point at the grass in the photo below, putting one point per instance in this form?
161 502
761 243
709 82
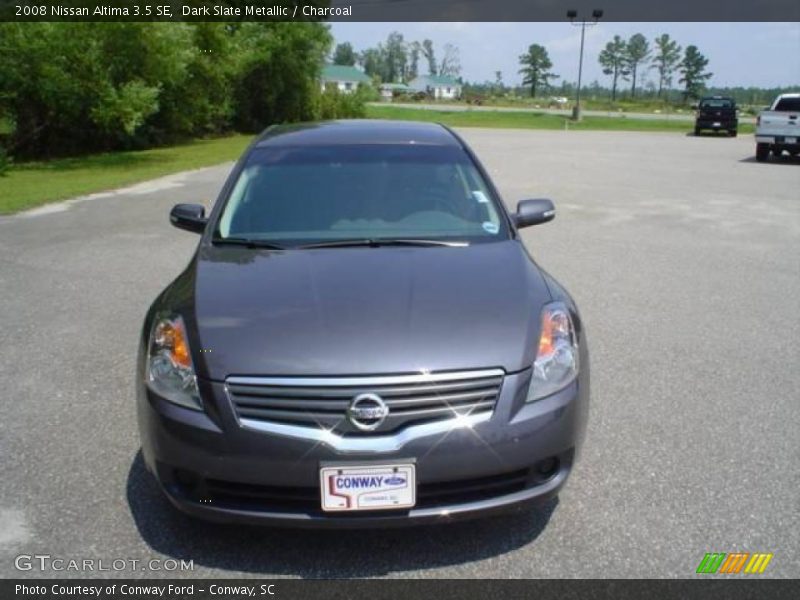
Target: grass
624 105
605 104
28 185
532 120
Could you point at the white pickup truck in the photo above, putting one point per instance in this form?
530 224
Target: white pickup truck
778 128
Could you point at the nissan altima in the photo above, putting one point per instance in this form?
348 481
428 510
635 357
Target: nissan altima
361 339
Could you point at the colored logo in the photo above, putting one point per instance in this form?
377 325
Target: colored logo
395 480
734 562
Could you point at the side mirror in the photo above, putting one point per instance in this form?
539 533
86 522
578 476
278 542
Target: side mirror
534 212
191 217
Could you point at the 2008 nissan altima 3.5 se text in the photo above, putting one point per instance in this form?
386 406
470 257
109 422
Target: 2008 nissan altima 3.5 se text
361 339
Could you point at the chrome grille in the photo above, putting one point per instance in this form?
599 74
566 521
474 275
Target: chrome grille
324 401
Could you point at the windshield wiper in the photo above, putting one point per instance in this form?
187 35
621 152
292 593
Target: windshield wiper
378 242
370 242
248 243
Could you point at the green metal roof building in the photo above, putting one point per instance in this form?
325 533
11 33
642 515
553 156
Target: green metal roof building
344 77
438 86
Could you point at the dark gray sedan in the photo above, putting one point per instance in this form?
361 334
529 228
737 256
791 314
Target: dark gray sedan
361 339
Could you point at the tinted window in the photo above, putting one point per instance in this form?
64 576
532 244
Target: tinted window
306 194
788 105
715 103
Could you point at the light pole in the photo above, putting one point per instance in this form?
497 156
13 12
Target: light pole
572 15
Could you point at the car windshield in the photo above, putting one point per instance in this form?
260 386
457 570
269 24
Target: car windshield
302 195
716 103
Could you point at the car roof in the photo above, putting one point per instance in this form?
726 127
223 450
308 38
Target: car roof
357 131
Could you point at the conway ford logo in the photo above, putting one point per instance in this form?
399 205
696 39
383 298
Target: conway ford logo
394 480
367 412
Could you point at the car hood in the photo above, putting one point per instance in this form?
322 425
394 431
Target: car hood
353 311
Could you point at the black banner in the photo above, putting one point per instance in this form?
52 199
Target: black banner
440 589
398 10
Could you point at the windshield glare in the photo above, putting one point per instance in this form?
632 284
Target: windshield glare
298 195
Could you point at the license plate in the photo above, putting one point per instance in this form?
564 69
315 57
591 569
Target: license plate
791 140
717 125
368 487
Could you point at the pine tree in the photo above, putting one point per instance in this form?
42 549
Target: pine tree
636 52
693 73
666 59
612 59
535 64
344 55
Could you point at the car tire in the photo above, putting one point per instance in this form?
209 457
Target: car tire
733 133
697 131
776 152
762 152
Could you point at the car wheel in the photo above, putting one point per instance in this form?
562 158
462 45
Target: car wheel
776 152
733 133
697 131
762 152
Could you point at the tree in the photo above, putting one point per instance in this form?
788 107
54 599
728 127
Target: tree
665 60
395 57
344 54
535 64
279 80
451 63
67 88
612 59
693 73
372 62
202 101
388 61
636 51
74 88
414 50
427 52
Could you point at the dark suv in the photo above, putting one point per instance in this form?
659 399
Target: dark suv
717 114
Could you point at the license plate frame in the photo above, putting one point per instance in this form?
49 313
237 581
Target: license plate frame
353 486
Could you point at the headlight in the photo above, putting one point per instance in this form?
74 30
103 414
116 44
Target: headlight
170 371
556 364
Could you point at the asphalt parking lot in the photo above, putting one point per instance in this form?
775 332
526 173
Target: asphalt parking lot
684 256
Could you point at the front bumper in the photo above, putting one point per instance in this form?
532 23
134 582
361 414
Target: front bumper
211 467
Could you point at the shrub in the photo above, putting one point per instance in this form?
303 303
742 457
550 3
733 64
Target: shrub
5 161
333 104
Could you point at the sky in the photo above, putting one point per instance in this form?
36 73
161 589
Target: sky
740 54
